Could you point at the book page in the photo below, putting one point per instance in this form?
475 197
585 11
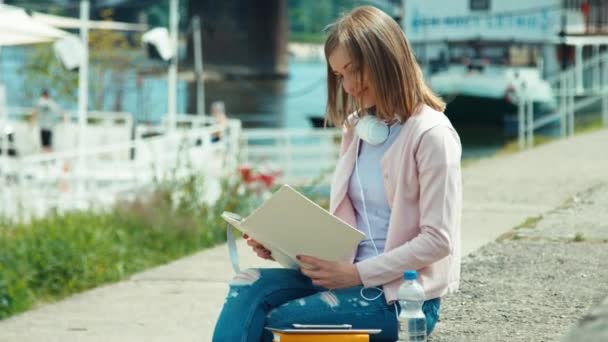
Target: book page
277 254
290 224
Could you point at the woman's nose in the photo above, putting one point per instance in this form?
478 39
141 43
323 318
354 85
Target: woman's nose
348 86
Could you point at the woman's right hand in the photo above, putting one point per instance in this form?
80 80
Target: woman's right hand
257 247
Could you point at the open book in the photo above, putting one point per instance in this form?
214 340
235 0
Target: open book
289 224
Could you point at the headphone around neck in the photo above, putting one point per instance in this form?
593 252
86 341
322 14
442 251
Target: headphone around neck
373 131
370 128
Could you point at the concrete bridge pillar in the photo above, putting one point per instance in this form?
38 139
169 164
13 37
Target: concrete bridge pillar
245 44
243 38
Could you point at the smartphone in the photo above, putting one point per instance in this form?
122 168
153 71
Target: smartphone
322 326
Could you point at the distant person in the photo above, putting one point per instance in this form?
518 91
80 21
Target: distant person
47 116
218 113
398 180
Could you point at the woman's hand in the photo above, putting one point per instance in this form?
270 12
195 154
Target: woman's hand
257 247
330 274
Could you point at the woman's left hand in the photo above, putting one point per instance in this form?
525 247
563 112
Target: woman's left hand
330 274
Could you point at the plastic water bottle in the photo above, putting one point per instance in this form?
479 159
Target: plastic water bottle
412 321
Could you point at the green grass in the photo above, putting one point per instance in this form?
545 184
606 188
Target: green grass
579 237
583 124
52 257
530 222
513 146
589 124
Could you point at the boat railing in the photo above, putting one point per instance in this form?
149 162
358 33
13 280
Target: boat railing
588 75
573 94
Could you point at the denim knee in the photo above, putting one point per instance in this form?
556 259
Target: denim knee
431 311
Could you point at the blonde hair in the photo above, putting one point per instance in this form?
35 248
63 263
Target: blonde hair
380 52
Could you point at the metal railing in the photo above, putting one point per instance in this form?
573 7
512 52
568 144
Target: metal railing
300 156
577 88
595 20
34 185
102 128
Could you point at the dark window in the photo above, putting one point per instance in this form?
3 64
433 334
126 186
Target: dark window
480 5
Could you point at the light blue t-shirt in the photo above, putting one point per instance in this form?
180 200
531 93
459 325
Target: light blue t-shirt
369 167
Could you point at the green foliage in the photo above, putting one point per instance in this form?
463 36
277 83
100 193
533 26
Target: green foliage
311 17
304 37
52 257
111 56
43 70
308 19
158 14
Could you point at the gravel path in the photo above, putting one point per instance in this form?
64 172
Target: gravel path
535 282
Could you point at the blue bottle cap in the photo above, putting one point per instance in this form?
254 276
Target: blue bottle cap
410 275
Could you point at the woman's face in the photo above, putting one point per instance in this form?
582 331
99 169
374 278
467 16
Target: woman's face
346 73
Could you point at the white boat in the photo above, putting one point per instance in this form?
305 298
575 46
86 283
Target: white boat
489 94
476 54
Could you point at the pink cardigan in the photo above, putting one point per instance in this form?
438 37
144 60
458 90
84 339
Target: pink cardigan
424 189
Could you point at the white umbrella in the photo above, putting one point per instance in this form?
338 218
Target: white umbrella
74 23
18 28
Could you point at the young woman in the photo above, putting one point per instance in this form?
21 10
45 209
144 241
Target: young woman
397 180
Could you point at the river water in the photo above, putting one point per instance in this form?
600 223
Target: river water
289 103
269 103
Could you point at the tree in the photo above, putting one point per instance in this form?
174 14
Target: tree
111 56
43 70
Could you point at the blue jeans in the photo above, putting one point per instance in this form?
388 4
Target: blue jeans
277 298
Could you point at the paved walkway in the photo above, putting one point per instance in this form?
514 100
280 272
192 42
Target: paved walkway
180 301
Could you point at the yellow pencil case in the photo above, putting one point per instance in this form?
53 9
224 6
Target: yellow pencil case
299 337
322 335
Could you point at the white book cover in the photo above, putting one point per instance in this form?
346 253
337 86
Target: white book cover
289 224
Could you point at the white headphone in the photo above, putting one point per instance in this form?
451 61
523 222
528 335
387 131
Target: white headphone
372 130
